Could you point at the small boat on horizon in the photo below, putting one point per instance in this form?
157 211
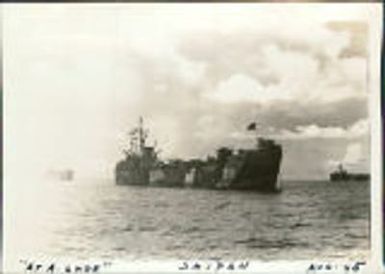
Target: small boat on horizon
342 174
62 175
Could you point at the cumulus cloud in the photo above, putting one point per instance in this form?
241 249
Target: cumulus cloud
288 65
357 130
240 88
356 157
353 154
358 33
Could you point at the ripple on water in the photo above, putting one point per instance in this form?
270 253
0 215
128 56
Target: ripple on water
329 219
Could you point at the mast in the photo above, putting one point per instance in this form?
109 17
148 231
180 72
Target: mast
141 135
253 127
138 136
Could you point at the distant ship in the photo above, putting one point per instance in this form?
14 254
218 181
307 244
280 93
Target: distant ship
245 169
67 175
343 175
62 175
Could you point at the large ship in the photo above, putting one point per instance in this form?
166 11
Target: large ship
245 169
342 174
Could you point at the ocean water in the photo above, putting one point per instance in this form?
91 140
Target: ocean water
83 219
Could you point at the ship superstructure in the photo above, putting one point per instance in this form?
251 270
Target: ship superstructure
139 159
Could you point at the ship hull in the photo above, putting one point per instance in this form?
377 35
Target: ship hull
349 177
126 174
252 170
255 170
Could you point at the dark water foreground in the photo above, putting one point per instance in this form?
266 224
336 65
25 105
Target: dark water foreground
101 220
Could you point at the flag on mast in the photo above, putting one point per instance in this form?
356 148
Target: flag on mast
252 126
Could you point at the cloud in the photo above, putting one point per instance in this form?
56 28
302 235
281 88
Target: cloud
287 66
198 83
358 33
240 88
289 115
357 130
353 153
356 157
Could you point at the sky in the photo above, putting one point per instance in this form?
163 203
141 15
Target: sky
77 78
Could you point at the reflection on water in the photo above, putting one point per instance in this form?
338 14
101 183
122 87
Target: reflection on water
101 220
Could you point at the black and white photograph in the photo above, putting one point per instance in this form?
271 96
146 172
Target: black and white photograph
187 131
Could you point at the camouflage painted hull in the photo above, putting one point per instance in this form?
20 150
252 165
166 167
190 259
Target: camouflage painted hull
257 170
252 170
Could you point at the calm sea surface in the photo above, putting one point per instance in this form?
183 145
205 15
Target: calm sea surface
100 220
